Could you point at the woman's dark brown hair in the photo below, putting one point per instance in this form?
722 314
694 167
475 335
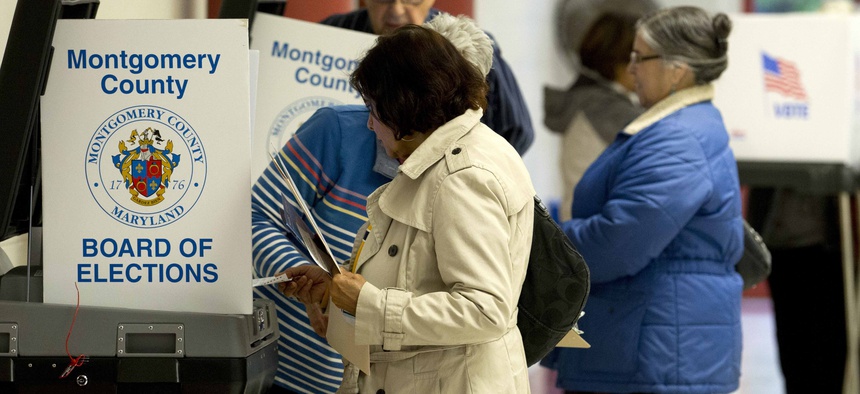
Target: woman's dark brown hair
607 43
415 81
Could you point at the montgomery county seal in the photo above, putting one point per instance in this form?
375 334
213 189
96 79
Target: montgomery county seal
294 115
146 169
146 166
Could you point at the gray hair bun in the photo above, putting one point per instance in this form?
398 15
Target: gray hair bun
722 27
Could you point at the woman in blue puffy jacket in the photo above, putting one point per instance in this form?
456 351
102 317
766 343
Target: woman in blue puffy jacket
658 219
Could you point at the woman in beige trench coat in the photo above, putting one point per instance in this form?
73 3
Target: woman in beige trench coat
439 267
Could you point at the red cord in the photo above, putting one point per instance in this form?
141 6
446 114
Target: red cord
74 361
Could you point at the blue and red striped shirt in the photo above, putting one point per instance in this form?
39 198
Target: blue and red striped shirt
332 159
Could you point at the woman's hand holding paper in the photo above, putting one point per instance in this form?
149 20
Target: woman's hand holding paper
345 290
310 286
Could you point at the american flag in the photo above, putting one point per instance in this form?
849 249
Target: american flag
782 77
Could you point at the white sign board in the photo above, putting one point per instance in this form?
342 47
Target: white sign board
790 91
303 66
146 165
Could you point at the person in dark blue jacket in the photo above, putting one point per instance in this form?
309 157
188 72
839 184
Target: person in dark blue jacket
506 112
658 219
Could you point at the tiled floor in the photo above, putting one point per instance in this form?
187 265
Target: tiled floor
759 364
760 372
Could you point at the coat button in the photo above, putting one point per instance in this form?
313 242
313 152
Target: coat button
456 151
380 391
392 250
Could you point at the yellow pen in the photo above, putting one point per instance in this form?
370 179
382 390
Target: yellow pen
360 247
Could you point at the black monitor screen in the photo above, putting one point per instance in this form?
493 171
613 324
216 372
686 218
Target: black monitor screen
22 78
23 75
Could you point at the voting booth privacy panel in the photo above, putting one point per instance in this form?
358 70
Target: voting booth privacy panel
303 67
790 102
146 166
790 93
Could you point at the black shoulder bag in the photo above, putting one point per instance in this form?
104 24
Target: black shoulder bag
555 289
754 265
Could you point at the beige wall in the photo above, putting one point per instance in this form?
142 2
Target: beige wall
151 9
7 9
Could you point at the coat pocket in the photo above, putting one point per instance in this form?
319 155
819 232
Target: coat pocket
612 324
425 372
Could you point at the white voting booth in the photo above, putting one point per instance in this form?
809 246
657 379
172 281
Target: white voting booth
145 275
303 67
145 146
790 93
791 103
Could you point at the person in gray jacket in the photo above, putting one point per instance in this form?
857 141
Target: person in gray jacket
599 104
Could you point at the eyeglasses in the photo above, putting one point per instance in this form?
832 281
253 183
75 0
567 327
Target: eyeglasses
405 2
635 58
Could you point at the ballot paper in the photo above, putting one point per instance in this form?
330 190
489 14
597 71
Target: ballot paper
340 332
308 240
270 280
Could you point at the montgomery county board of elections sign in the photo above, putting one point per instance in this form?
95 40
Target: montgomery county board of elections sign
303 67
146 165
